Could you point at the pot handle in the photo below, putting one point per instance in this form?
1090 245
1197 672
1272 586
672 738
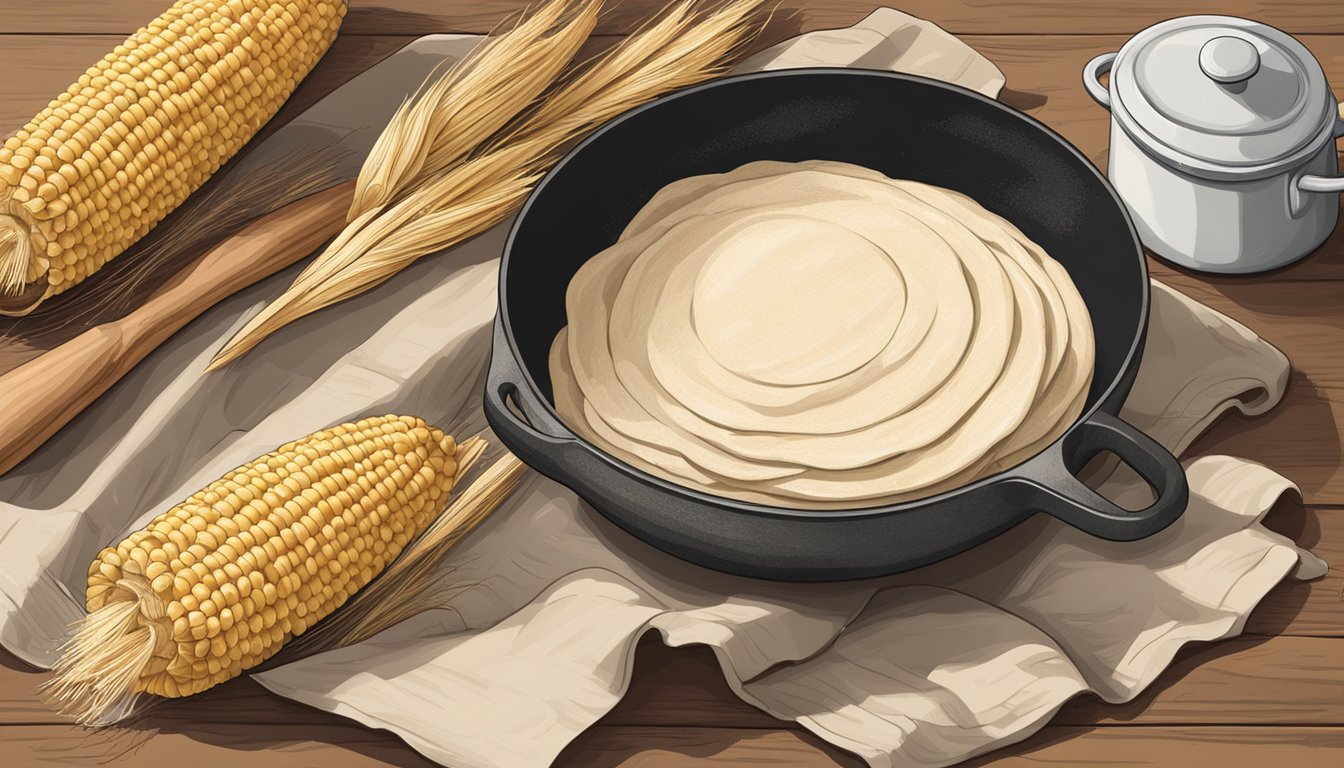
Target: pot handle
1326 184
1054 489
1092 72
1314 183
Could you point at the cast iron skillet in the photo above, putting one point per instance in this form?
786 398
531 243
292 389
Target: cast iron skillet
906 127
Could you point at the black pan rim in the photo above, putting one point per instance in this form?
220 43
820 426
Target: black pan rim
727 504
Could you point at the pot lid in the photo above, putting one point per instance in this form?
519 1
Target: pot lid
1230 92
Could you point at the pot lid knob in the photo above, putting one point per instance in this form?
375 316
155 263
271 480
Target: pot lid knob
1218 95
1230 61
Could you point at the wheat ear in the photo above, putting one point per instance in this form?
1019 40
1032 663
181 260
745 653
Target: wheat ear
458 110
681 48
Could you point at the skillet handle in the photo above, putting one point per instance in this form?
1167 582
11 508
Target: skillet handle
1054 489
536 437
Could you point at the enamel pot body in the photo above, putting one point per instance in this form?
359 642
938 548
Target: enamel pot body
906 127
1224 226
1222 143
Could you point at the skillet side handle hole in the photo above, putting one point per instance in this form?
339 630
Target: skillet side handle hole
1105 472
508 394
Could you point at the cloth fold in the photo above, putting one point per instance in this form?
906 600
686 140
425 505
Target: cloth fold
924 668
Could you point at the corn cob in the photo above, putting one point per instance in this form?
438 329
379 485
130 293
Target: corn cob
141 130
219 583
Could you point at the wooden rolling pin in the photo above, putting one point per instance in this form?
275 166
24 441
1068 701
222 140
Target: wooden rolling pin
42 395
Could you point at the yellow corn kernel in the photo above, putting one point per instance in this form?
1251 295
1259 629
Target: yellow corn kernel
115 143
209 624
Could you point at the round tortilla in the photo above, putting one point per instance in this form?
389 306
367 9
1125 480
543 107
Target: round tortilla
818 335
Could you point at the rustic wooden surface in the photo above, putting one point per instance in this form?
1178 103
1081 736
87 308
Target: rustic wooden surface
1273 696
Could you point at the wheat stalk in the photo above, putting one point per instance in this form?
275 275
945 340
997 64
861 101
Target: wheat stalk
682 48
454 113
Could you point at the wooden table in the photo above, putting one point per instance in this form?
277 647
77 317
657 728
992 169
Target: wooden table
1274 696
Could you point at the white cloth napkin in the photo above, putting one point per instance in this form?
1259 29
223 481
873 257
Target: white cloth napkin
926 668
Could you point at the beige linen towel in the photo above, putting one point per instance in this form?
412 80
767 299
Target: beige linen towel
925 668
886 39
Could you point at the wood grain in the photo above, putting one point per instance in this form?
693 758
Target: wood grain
1042 72
1232 682
1212 706
237 702
1243 681
610 746
1169 747
1306 608
208 745
983 17
1301 437
1173 747
280 746
1305 321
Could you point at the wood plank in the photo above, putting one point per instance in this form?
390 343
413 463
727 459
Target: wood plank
606 746
1305 321
280 746
677 687
1246 681
684 686
1288 440
1130 747
1308 608
1172 747
1301 437
986 16
1250 681
1042 71
240 701
273 745
671 686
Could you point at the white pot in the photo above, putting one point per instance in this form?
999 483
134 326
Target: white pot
1222 142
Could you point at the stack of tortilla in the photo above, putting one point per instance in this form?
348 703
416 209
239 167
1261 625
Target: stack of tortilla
817 335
